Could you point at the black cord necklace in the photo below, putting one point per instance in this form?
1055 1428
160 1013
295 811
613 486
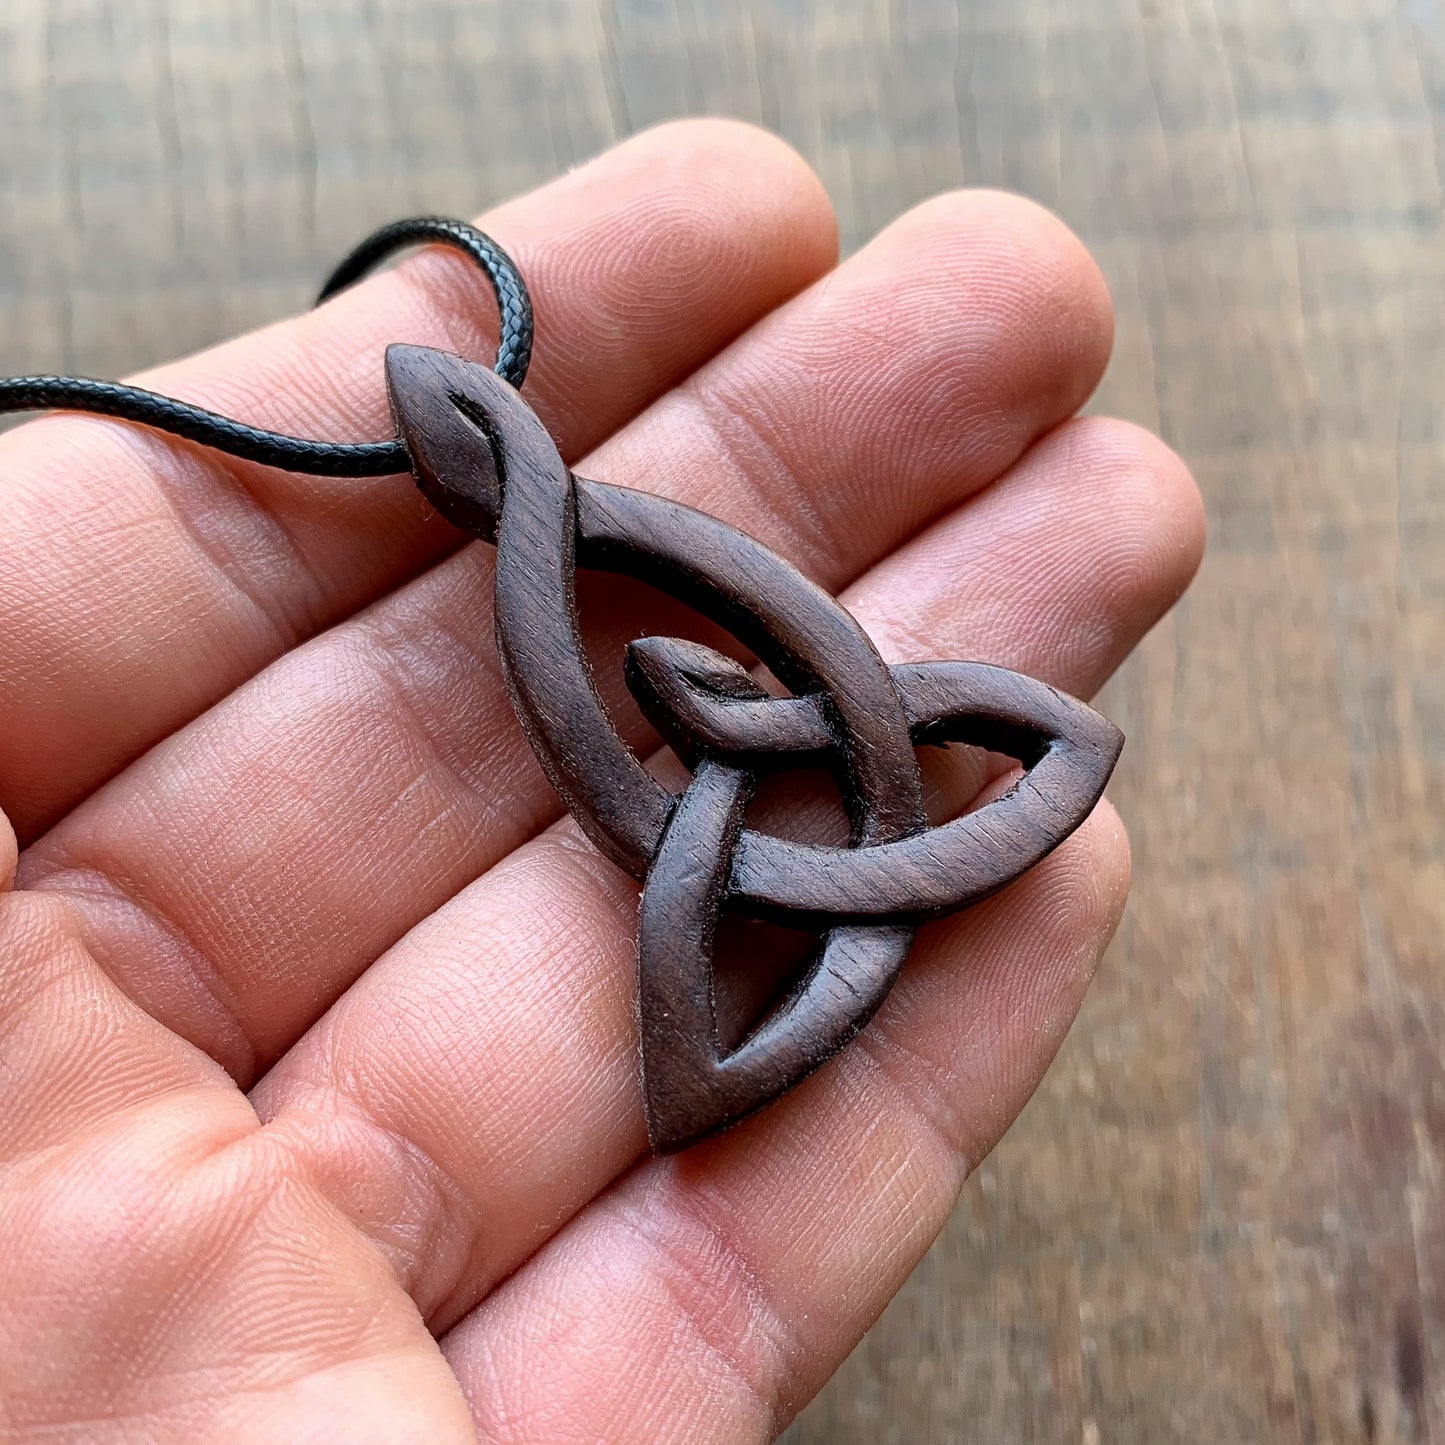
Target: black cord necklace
272 449
484 460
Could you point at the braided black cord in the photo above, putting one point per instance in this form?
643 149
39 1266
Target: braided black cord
297 454
164 413
514 348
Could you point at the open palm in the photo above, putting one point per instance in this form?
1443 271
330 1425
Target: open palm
319 1103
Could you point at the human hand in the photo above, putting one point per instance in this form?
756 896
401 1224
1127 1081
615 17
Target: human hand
319 1106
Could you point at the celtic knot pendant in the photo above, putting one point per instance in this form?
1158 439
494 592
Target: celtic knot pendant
484 460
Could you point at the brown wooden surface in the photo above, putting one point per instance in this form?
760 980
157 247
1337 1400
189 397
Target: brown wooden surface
1222 1217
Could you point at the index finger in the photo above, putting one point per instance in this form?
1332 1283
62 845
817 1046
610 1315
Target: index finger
144 578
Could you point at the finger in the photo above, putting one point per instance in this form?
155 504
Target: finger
73 1049
480 1083
237 879
146 578
708 1296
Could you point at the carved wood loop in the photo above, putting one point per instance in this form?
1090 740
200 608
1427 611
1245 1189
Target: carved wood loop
485 461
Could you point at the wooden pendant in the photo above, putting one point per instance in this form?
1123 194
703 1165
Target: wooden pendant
484 460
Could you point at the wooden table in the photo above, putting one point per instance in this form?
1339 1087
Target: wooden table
1221 1218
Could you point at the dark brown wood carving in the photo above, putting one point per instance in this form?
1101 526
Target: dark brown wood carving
484 460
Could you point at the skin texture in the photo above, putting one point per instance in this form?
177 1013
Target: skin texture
319 1108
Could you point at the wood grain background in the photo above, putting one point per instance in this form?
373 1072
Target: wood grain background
1221 1218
